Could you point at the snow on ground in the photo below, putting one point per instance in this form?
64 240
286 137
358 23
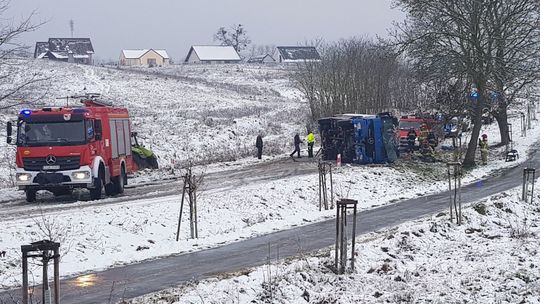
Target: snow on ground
145 228
494 257
205 113
188 112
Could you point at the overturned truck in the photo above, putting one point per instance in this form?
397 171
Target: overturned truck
360 138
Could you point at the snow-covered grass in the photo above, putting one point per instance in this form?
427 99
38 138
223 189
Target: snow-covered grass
145 228
494 257
190 112
206 113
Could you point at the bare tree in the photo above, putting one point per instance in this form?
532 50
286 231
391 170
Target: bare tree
356 76
13 85
236 37
492 45
515 31
448 38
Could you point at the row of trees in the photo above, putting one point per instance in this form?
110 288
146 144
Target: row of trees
357 76
489 46
437 57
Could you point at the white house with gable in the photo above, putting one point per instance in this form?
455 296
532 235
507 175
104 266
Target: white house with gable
147 57
212 54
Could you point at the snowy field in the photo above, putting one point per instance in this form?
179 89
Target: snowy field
206 114
143 229
199 113
494 257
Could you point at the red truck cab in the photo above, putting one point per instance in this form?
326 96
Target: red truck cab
59 149
411 121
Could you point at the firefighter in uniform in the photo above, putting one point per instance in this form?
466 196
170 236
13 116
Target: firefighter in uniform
424 132
483 143
411 137
428 154
310 143
432 140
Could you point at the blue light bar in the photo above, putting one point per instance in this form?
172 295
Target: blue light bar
26 112
80 110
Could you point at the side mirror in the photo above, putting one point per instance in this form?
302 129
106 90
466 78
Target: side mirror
98 130
133 134
9 132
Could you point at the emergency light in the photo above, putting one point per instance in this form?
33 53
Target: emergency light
26 112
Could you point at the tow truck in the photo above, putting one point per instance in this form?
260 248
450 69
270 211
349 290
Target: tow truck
62 148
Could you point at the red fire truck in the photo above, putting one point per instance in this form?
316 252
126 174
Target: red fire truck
415 122
59 149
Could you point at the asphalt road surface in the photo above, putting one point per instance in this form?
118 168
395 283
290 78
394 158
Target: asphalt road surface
133 280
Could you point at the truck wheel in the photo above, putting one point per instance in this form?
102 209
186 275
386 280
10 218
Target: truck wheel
120 181
95 193
110 189
30 195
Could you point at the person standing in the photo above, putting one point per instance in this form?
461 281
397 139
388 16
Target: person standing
310 143
483 143
411 138
259 145
297 142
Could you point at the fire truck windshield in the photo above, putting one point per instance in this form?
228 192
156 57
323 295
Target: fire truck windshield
31 134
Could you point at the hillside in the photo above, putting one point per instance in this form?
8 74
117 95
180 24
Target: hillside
201 113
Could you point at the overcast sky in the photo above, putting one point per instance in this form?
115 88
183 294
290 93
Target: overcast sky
175 25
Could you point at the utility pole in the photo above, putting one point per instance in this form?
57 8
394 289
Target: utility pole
72 26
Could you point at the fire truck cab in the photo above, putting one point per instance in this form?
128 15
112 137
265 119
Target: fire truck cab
59 149
408 122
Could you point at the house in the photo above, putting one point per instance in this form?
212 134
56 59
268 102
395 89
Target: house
148 57
291 54
76 50
261 59
212 54
41 48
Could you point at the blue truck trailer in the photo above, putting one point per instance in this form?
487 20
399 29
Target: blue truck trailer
360 138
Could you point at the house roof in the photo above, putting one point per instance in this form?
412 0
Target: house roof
298 53
214 52
259 58
134 54
77 46
41 48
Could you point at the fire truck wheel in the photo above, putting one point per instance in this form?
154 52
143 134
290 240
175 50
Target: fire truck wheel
95 193
30 195
120 181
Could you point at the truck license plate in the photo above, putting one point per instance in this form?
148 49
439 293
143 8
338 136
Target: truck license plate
55 167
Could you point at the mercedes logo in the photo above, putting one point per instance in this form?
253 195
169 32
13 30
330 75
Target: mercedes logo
50 160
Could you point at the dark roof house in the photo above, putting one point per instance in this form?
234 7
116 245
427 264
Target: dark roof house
297 54
266 58
77 50
41 48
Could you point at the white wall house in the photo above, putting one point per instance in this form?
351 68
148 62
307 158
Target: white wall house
212 54
146 57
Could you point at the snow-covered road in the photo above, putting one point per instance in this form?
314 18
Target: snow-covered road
216 181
